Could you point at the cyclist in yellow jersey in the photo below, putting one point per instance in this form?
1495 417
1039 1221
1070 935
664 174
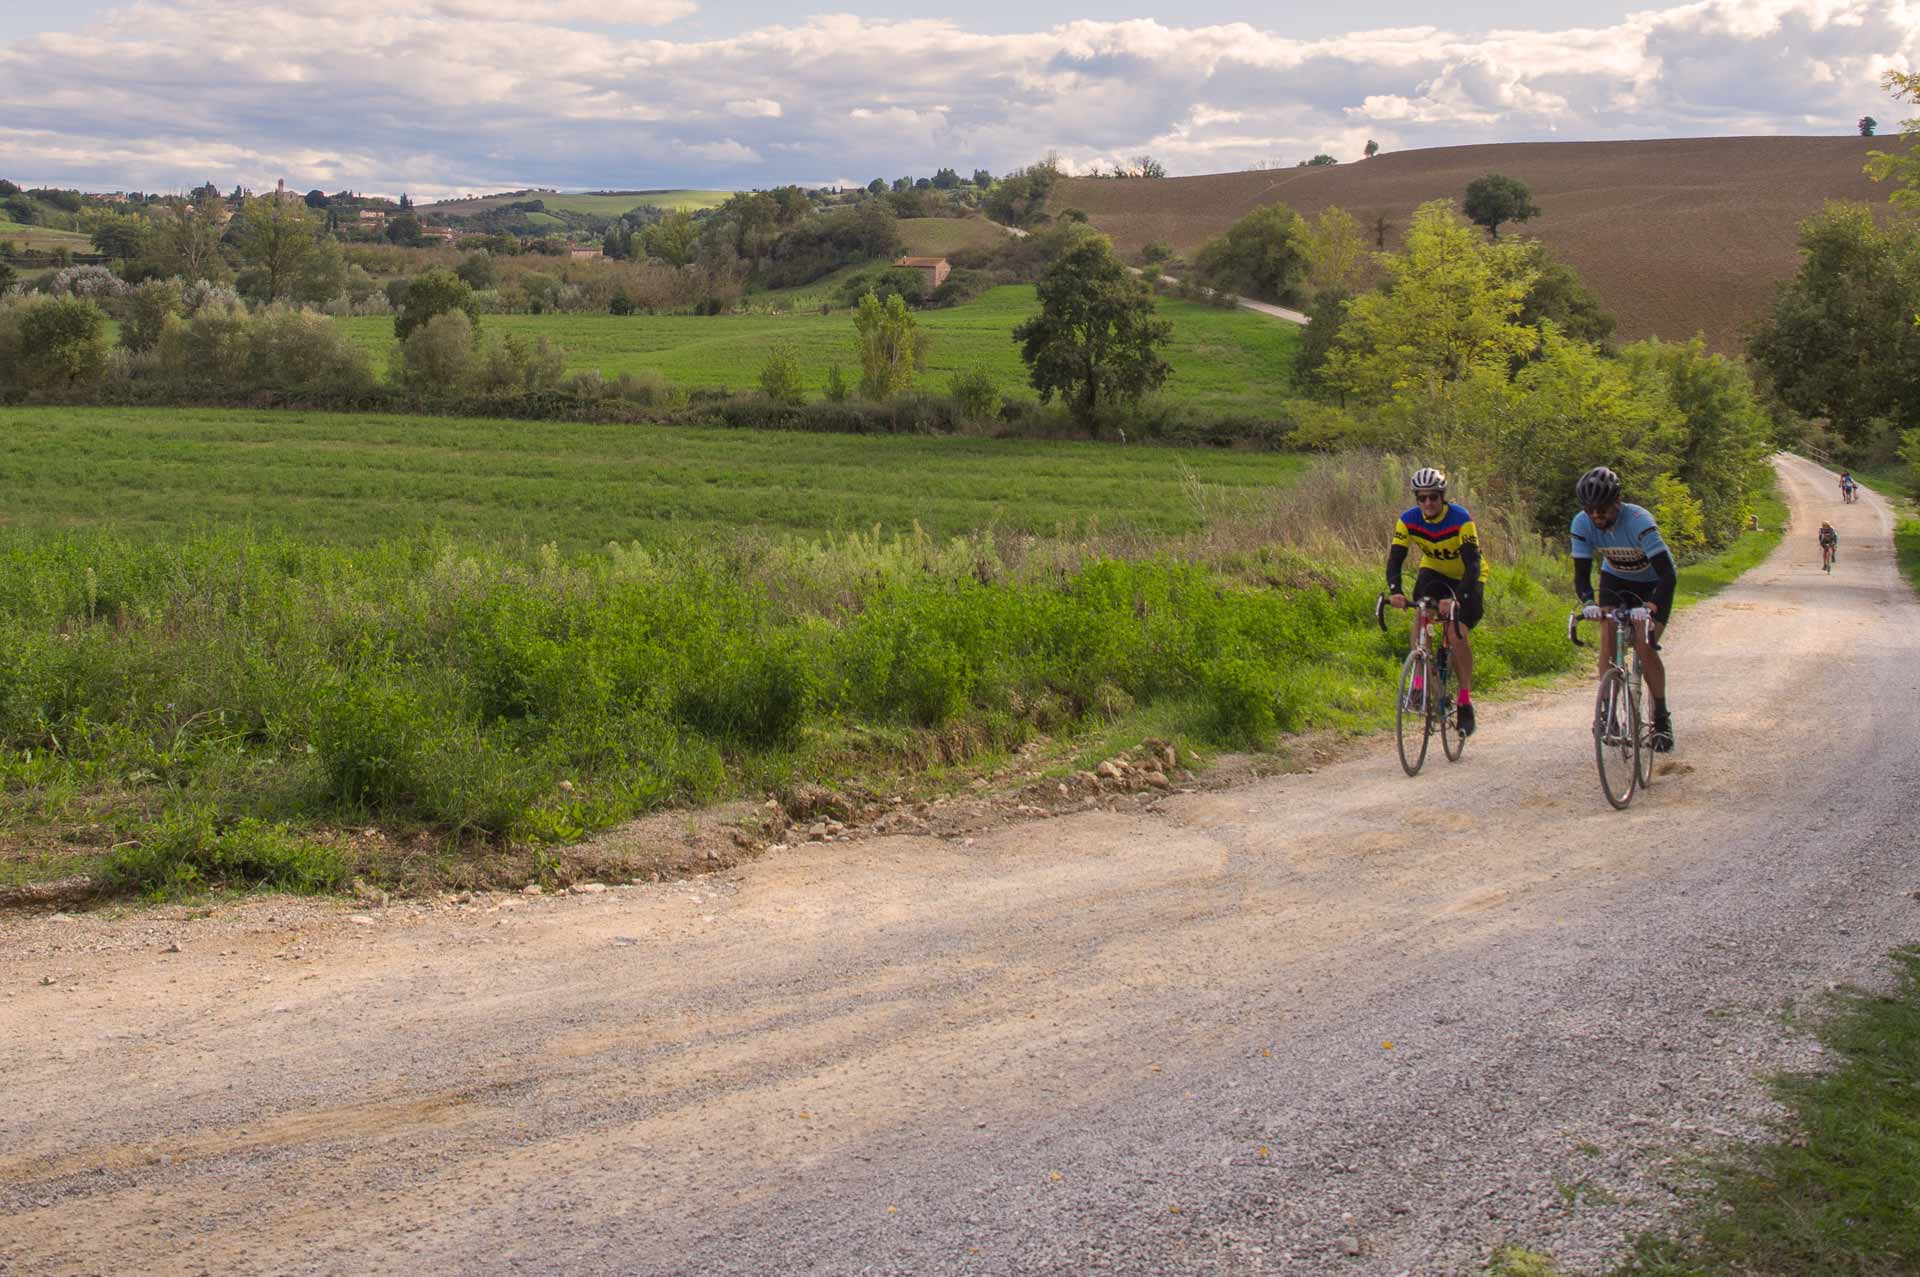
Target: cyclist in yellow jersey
1449 549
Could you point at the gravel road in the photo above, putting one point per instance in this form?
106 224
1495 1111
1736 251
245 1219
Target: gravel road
1342 1022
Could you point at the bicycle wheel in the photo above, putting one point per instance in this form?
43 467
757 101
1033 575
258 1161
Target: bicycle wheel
1644 755
1452 743
1616 739
1410 715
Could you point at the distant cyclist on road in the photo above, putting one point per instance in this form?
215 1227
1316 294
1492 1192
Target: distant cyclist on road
1847 485
1449 572
1636 570
1829 545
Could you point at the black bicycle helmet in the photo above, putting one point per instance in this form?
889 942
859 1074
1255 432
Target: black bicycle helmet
1598 487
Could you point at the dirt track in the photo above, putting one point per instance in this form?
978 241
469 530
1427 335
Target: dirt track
1138 1043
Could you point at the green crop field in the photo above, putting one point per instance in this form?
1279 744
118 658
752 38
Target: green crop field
938 236
44 238
1228 361
344 478
605 204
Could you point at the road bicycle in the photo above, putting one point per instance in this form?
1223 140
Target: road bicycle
1826 556
1426 703
1622 733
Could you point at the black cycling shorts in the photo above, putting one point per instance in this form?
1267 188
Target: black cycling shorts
1615 592
1428 584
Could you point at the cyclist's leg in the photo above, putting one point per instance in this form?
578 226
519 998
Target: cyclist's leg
1652 668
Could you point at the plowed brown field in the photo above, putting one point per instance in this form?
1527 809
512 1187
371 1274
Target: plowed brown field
1677 236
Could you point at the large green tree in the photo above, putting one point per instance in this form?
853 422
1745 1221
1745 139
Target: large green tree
277 238
1450 303
1096 339
182 238
1265 254
674 239
889 344
1496 199
1840 341
434 292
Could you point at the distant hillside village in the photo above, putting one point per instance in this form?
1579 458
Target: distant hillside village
47 226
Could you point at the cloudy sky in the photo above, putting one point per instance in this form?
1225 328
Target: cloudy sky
442 97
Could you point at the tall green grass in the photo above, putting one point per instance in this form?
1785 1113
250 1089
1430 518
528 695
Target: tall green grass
216 704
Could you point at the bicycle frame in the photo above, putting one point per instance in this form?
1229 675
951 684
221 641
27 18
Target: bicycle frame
1436 710
1634 737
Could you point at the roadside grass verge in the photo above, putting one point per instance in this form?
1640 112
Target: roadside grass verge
1708 576
1839 1191
1906 547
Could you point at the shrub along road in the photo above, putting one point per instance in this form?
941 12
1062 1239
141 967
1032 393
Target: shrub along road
1342 1021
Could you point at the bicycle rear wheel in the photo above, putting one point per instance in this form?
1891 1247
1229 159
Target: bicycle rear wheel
1616 739
1645 756
1411 717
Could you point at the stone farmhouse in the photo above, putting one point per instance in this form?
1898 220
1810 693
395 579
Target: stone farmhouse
934 269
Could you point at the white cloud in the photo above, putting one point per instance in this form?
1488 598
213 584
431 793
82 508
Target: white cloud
461 95
725 151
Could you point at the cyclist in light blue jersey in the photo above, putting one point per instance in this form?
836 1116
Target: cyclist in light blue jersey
1636 570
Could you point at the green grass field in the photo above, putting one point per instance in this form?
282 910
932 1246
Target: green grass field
603 204
344 478
44 238
938 236
1224 361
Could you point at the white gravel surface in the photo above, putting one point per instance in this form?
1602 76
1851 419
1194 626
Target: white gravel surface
1343 1022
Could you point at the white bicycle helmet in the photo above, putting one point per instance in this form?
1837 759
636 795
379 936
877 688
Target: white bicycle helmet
1428 479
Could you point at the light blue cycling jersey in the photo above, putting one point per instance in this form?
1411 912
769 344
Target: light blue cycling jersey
1626 549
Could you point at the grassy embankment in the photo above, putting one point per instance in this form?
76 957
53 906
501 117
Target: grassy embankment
1224 361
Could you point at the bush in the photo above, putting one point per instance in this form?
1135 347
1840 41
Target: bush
975 394
208 350
187 851
304 353
147 310
780 377
837 388
94 282
59 345
513 364
433 293
478 271
438 358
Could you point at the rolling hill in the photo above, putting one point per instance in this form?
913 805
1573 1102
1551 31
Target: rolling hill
1677 236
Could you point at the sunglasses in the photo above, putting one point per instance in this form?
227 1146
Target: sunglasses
1424 497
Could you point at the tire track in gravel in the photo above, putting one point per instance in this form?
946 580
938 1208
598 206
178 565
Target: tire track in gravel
1135 1042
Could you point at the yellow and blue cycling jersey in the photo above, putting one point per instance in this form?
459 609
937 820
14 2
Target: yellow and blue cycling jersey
1448 545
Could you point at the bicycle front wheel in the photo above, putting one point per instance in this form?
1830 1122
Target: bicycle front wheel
1616 739
1411 721
1447 711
